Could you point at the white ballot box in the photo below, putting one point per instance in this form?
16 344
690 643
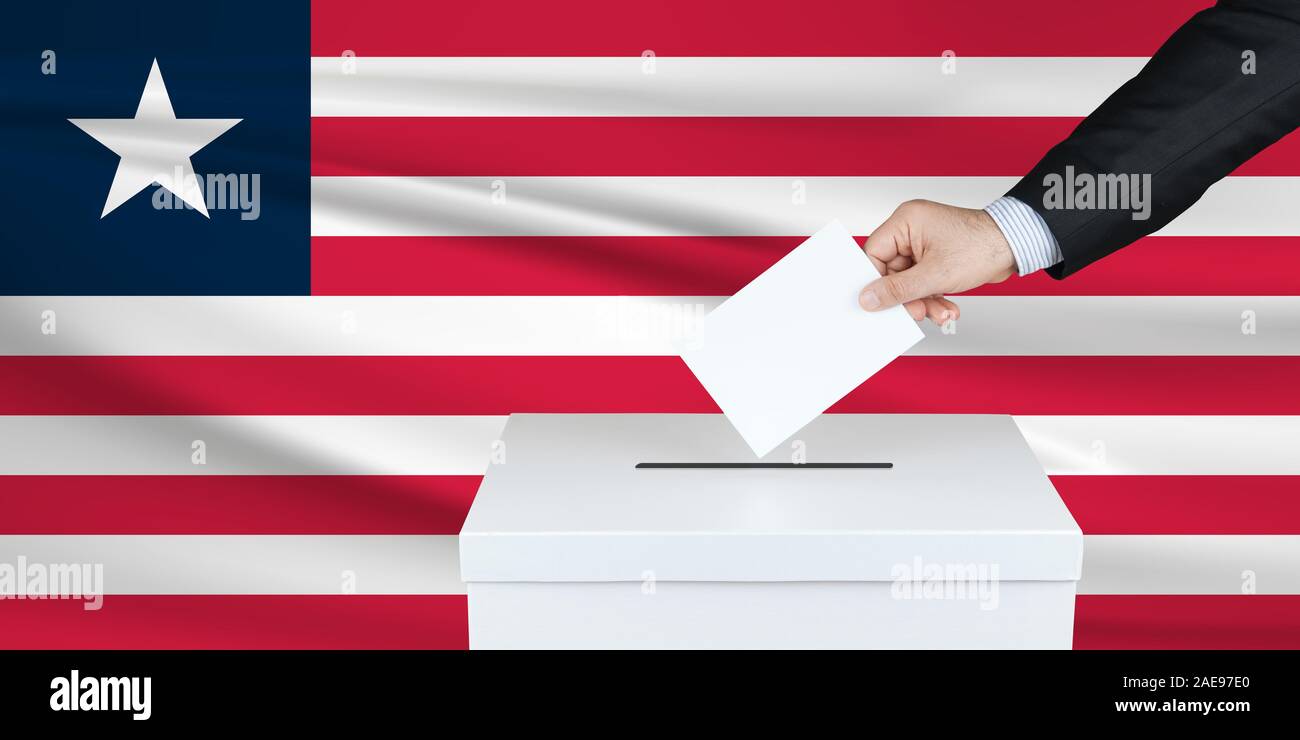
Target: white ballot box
865 531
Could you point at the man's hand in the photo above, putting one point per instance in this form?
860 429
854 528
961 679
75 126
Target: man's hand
927 249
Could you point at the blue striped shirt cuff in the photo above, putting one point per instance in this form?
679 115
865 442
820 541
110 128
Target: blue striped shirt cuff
1031 241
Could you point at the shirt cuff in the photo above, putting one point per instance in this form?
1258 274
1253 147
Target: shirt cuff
1031 241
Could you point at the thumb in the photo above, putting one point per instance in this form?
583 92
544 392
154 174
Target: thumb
911 284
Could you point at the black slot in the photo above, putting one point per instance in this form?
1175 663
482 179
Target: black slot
764 465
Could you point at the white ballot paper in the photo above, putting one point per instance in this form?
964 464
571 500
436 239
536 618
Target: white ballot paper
794 341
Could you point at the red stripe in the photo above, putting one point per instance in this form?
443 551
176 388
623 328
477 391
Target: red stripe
757 28
805 147
1187 623
540 265
237 623
1182 504
441 622
205 505
198 504
503 385
723 265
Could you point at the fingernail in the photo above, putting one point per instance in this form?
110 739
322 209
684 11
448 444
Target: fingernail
869 300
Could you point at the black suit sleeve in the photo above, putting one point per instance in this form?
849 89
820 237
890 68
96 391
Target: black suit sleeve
1190 117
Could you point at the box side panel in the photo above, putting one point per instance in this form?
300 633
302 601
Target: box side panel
720 556
675 615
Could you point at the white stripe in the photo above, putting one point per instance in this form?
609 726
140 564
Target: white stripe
714 86
716 206
1191 564
1119 325
429 564
612 325
461 445
1164 445
250 564
247 445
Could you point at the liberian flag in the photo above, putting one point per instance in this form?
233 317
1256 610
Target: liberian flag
263 404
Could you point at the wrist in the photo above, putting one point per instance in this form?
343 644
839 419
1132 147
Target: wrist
998 252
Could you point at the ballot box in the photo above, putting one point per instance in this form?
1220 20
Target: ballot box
863 531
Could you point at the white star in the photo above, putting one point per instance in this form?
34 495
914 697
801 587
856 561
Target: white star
155 146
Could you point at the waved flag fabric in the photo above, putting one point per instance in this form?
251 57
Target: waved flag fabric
260 394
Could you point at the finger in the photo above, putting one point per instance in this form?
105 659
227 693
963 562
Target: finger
936 311
899 263
876 263
881 267
885 241
915 309
912 284
949 305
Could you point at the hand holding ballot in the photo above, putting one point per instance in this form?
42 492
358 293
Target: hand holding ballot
1135 164
926 249
791 343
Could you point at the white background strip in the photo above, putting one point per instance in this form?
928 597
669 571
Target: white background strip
717 206
247 445
1191 564
461 445
714 86
1165 445
418 564
252 564
613 325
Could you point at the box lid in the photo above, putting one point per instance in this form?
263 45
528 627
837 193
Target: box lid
567 502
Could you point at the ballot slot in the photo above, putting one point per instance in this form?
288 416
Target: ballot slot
761 465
